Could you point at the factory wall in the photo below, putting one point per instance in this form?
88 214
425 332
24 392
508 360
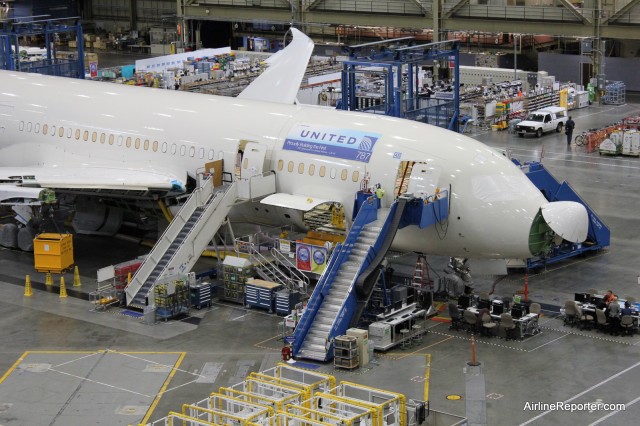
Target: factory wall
567 68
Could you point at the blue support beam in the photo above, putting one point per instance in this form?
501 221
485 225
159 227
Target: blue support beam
13 28
395 61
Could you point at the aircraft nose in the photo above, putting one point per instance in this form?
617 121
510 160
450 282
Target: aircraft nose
567 219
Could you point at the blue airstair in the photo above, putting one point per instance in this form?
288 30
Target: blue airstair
598 236
345 286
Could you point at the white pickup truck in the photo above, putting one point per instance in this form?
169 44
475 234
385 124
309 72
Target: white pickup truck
542 121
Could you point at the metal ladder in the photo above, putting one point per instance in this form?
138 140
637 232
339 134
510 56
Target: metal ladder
185 238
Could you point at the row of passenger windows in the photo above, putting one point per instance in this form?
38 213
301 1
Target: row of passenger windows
322 170
119 140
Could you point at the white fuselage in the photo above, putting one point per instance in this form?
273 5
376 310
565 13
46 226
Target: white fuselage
94 125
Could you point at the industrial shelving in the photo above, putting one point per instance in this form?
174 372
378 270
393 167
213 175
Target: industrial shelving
345 352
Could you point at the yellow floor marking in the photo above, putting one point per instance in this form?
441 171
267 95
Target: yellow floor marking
14 366
164 387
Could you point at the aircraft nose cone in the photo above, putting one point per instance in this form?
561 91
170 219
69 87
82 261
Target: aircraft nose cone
567 219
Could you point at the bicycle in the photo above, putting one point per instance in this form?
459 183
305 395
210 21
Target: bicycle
581 139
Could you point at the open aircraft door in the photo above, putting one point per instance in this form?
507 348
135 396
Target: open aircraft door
255 182
424 179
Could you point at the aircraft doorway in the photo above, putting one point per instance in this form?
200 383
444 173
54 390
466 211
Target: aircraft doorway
417 178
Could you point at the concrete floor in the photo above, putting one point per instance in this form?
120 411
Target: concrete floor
106 368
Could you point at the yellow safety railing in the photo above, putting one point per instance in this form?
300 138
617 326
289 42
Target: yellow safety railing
393 397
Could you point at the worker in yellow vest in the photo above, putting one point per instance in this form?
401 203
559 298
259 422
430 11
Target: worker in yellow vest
379 194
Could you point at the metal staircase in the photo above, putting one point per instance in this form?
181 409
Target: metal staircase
325 316
185 238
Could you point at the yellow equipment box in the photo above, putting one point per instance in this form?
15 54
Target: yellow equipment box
53 252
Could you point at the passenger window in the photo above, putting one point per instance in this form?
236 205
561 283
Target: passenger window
356 175
312 169
44 129
85 136
36 128
146 144
211 154
129 142
77 134
201 153
120 140
301 168
344 174
21 126
29 126
164 147
53 131
137 144
183 150
280 165
94 136
155 146
290 166
333 173
69 132
111 139
173 149
61 132
323 171
192 151
103 137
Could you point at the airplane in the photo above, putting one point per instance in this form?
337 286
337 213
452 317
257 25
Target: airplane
103 144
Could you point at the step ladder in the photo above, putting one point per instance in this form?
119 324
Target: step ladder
421 269
182 243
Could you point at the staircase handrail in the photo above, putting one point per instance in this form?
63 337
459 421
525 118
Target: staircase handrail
282 259
366 214
202 195
266 264
369 257
315 301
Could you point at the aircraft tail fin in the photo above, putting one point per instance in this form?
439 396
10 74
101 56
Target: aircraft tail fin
281 81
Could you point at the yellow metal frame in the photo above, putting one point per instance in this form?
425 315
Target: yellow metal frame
308 411
377 416
277 403
275 382
245 421
300 419
400 398
325 378
183 417
218 397
368 411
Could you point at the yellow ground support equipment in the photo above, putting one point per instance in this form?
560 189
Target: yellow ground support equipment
223 409
391 406
53 252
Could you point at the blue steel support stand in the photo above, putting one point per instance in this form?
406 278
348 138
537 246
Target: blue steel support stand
394 60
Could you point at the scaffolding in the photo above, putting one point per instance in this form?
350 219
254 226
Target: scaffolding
12 57
396 65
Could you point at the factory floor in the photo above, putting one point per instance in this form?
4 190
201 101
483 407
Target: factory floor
64 363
